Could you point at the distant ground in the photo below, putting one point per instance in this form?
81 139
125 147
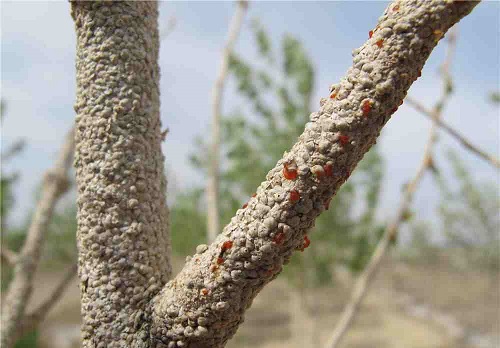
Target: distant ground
411 306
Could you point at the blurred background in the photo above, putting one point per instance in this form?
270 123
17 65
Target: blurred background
438 287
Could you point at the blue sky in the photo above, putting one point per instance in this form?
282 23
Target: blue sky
38 83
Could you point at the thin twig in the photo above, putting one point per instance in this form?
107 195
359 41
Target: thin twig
366 277
454 133
31 320
54 186
8 256
213 224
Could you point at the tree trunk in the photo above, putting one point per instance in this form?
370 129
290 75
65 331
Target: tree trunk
123 238
122 216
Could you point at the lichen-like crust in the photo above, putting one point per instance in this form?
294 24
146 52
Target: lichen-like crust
205 303
122 214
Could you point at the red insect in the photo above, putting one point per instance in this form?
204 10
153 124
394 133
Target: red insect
307 242
254 195
220 260
344 139
279 238
226 245
244 206
204 292
290 170
370 33
333 95
367 107
294 196
380 43
328 168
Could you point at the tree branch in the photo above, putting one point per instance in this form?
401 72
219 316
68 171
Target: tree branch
33 319
365 279
204 305
54 186
213 224
8 256
454 133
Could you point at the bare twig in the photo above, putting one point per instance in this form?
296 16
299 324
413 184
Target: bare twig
14 149
213 224
54 186
454 133
8 256
31 320
364 280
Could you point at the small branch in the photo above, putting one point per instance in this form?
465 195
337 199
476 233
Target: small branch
213 224
54 186
32 320
8 256
13 149
364 280
454 133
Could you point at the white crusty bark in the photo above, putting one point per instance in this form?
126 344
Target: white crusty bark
204 305
123 237
122 217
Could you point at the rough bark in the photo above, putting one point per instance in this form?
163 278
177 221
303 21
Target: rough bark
123 239
204 305
20 288
122 232
213 223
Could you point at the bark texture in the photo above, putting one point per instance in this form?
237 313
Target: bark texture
123 237
204 305
122 234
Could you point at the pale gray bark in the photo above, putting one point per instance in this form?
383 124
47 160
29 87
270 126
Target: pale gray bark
213 223
123 241
55 184
122 232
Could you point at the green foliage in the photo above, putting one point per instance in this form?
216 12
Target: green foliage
187 223
61 238
253 141
494 97
469 217
421 249
262 40
29 340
